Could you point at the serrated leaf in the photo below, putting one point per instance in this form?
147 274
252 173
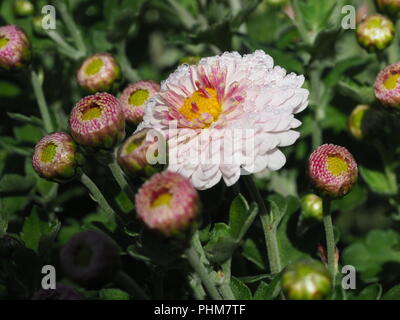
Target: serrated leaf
371 292
252 253
377 181
392 294
15 184
240 290
268 291
33 230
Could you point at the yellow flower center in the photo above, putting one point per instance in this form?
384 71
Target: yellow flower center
336 165
201 101
94 67
163 199
391 82
48 152
92 112
138 97
3 41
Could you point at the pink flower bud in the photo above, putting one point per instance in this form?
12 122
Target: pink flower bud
134 97
387 88
55 157
15 48
167 203
332 170
99 72
97 121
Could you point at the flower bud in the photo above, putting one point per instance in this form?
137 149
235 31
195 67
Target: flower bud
56 157
311 206
97 121
332 171
132 155
99 72
375 33
90 258
355 121
61 292
306 280
190 60
23 8
168 203
15 48
390 7
37 25
134 97
387 88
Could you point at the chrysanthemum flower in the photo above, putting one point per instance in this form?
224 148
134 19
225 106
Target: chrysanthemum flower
134 98
132 155
90 258
375 32
306 280
231 112
55 157
99 72
15 48
387 86
97 121
332 170
391 7
167 203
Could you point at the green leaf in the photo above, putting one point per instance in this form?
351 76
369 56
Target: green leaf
392 294
369 256
268 291
221 245
238 214
15 184
113 294
371 292
252 253
32 120
377 181
33 230
240 290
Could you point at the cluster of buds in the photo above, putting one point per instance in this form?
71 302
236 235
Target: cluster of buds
134 97
90 258
15 48
332 171
375 33
99 72
306 280
97 121
168 203
56 157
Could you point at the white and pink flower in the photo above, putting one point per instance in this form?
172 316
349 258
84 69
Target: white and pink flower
210 103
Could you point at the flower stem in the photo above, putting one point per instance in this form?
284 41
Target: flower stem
330 238
129 73
43 107
194 260
71 26
64 47
120 178
268 227
225 288
130 285
97 195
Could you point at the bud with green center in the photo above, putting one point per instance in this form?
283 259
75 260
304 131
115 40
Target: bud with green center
97 121
23 8
15 48
90 258
355 121
56 157
311 206
375 33
391 7
134 98
306 280
168 203
332 171
133 154
387 86
99 72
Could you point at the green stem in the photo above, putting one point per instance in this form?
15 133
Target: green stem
194 260
44 109
330 238
130 285
97 195
71 26
195 284
387 162
64 47
120 178
225 288
129 73
269 229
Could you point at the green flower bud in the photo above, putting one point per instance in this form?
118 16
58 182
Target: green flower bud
37 26
306 280
23 8
355 121
391 7
311 206
190 60
375 33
